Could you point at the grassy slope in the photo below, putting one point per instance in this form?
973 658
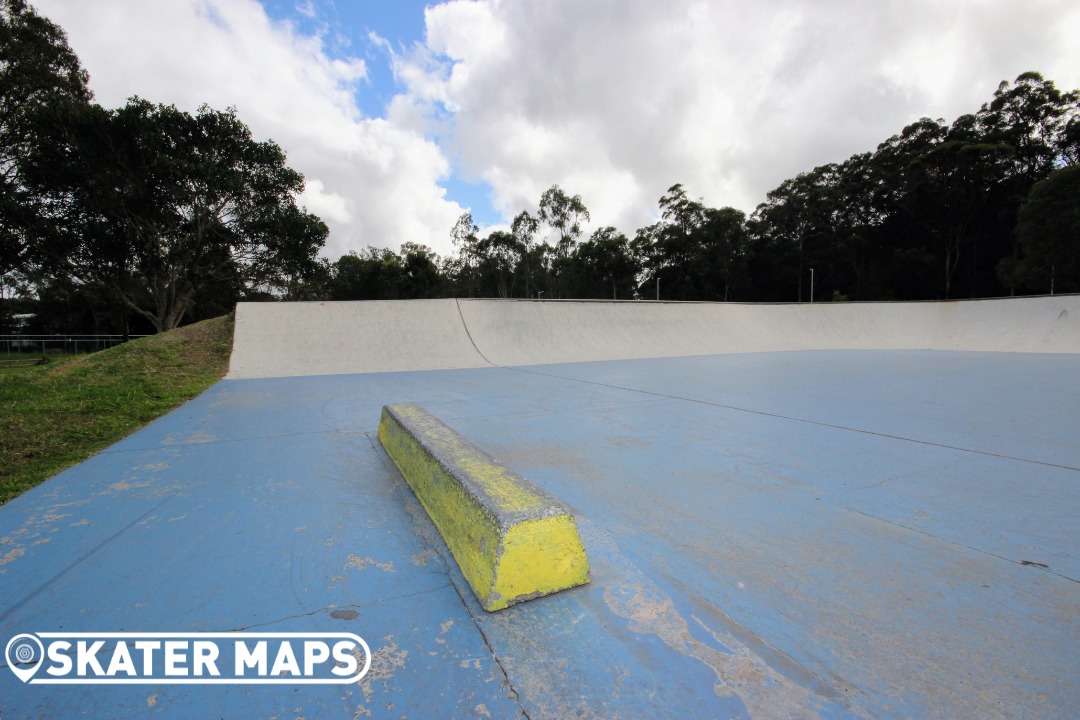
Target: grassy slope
53 416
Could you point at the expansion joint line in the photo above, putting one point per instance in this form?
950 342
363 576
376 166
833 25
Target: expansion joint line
818 423
93 551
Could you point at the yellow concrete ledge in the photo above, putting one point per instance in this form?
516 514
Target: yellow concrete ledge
512 541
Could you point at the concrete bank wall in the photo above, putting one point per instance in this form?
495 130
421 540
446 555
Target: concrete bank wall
332 338
314 338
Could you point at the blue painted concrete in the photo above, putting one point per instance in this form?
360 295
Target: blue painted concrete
831 534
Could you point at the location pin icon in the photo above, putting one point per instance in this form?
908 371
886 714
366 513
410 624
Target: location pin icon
24 654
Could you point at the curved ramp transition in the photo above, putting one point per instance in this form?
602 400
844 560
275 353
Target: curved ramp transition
328 338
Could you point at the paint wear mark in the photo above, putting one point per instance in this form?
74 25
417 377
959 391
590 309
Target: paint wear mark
363 563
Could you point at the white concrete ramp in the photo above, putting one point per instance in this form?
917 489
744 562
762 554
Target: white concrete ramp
522 333
327 338
332 338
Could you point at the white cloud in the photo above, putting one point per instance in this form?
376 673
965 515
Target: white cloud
618 100
615 100
329 205
373 183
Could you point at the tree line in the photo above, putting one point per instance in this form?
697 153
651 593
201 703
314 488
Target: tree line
985 206
146 216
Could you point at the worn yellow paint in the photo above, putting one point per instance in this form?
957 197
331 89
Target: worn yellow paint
498 482
541 557
511 541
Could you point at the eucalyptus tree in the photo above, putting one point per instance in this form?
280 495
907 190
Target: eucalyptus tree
1048 232
464 236
678 240
1037 121
1040 125
721 253
524 228
796 226
421 270
605 262
499 254
564 214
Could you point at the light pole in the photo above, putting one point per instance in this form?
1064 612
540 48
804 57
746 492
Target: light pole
811 284
657 288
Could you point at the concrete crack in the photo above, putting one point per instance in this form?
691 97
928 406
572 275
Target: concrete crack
494 656
338 607
1025 563
433 541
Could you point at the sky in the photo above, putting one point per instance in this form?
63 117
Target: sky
403 114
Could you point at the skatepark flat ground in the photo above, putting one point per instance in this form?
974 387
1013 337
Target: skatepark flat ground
806 533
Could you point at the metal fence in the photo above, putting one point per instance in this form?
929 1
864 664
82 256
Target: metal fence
15 346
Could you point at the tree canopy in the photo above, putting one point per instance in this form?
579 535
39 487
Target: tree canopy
145 206
38 70
157 204
150 212
1048 234
973 208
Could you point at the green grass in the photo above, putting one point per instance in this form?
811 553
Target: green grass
21 361
58 414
